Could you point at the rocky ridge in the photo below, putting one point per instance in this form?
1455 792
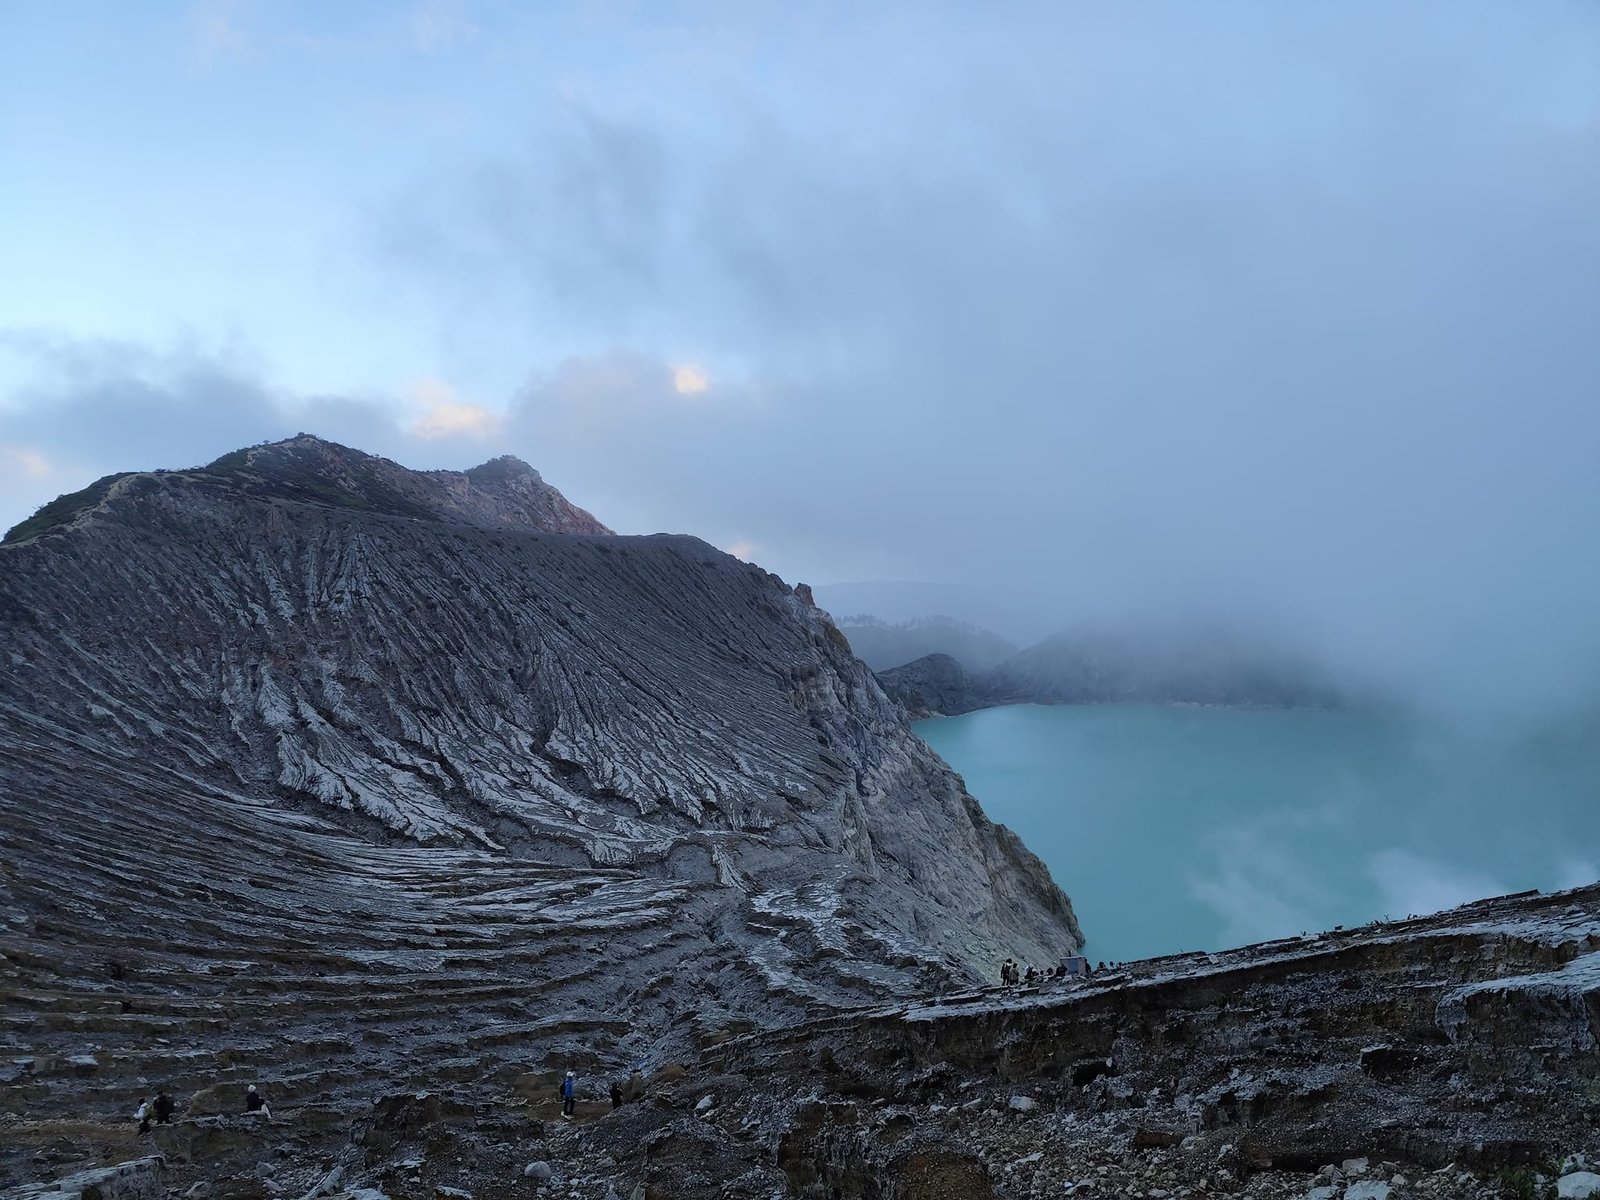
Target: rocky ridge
318 772
1454 1057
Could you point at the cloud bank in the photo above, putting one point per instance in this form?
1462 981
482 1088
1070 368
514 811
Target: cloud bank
1283 312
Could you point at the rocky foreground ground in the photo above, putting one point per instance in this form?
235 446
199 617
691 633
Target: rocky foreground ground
1451 1056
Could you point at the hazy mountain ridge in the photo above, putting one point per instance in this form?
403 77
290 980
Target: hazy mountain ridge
1088 665
644 765
884 644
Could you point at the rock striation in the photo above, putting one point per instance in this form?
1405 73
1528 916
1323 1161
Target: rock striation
316 771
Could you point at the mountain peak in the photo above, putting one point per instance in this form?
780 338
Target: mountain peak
503 493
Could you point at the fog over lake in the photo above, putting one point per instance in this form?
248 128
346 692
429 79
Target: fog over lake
1188 828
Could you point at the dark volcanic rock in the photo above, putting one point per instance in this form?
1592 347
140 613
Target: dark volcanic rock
934 686
1459 1050
361 778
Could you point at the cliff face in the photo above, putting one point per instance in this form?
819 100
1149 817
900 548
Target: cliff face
308 715
1444 1057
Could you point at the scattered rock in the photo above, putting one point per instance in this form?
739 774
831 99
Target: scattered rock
1367 1189
329 1182
136 1180
1022 1104
538 1170
1578 1185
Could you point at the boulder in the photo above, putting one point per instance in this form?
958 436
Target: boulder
139 1179
1022 1104
1578 1185
538 1170
1367 1189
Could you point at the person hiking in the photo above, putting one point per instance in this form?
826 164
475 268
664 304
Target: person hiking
164 1108
1031 976
1008 972
616 1095
255 1102
142 1114
569 1095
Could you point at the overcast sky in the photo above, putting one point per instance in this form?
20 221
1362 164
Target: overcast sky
1281 309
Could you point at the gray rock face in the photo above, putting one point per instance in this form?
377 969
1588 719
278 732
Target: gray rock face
934 686
136 1180
307 757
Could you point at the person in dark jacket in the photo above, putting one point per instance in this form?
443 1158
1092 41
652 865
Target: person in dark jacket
616 1094
164 1108
569 1095
254 1101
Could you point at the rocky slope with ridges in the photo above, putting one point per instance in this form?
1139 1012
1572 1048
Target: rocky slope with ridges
1453 1057
308 775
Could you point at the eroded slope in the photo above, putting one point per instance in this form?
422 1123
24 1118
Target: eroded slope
278 773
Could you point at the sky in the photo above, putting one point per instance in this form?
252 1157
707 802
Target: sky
1152 308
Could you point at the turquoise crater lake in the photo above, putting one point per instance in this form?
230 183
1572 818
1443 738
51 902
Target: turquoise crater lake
1187 828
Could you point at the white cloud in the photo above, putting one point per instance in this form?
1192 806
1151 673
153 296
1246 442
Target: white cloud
690 380
445 414
23 461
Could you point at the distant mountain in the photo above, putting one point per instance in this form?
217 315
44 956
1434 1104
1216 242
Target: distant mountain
884 644
1199 664
1174 664
935 686
1001 610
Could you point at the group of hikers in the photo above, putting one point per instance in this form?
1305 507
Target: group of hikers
569 1093
161 1109
1012 975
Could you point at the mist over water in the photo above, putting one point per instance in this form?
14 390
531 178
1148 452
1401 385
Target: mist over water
1186 828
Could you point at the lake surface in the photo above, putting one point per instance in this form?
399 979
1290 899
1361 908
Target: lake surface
1177 828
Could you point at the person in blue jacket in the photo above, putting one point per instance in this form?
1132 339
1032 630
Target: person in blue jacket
569 1095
